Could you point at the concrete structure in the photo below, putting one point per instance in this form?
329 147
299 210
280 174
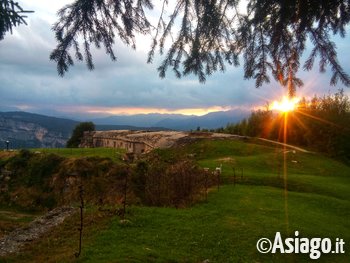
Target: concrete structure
140 141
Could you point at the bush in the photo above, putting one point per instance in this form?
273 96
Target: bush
179 183
20 160
41 168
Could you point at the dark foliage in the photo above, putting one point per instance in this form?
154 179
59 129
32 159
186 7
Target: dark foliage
271 35
41 168
274 36
78 133
97 22
32 169
29 184
11 15
170 181
46 200
20 160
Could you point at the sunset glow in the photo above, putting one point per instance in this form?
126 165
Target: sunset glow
140 110
286 104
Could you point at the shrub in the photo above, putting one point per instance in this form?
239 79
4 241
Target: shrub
41 168
178 183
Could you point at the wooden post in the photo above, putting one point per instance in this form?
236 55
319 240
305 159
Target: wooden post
81 195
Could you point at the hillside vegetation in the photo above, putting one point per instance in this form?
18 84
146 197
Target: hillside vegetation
264 189
322 124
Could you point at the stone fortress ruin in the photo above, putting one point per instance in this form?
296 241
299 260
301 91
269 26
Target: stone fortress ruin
139 142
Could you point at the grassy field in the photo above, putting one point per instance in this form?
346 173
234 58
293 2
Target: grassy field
280 191
223 230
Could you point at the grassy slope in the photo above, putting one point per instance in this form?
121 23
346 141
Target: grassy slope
226 228
223 230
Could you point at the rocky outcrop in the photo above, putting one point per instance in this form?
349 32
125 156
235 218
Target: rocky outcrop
25 130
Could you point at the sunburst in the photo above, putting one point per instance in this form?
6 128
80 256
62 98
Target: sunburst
286 104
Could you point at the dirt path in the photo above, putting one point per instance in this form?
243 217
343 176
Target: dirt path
16 239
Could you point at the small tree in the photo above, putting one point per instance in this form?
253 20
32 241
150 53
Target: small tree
78 133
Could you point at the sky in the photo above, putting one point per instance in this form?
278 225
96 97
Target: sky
29 80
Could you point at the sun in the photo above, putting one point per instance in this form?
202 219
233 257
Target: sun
286 105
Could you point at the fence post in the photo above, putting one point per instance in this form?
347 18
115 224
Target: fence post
81 196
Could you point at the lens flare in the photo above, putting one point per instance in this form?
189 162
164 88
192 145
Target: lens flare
286 105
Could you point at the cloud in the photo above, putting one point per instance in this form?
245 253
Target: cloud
29 80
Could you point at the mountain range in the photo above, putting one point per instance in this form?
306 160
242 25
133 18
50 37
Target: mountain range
211 120
30 130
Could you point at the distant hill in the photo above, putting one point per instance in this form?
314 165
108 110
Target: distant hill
28 130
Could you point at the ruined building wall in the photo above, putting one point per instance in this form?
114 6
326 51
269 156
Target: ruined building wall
114 140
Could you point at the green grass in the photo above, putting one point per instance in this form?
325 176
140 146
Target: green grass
316 203
311 173
12 216
112 153
225 229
